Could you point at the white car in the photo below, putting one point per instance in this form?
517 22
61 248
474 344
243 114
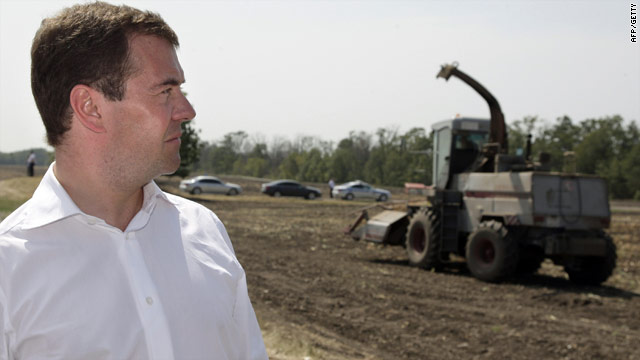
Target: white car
360 190
209 184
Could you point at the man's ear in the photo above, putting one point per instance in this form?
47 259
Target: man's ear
84 102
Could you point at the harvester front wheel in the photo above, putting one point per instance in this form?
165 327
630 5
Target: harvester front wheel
591 270
423 240
492 255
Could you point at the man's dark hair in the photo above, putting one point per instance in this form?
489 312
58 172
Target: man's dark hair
86 44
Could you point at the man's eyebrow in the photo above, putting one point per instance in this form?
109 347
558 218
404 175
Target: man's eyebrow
169 81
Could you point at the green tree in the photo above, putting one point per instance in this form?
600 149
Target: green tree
631 171
257 163
349 159
419 147
313 166
563 136
190 149
518 132
225 153
290 166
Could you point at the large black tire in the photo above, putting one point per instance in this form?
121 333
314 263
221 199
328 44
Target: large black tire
349 196
382 198
592 270
196 191
423 241
232 192
311 195
276 194
492 255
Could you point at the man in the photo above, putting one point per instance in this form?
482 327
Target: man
31 163
100 263
332 184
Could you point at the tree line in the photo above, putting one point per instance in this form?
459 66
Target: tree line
608 147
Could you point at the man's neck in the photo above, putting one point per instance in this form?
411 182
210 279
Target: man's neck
94 195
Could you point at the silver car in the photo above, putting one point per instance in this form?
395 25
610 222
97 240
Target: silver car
360 190
209 184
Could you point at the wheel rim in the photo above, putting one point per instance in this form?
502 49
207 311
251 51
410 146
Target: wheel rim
312 196
485 251
418 240
349 196
276 194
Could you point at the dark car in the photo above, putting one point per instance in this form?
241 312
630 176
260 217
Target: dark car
290 188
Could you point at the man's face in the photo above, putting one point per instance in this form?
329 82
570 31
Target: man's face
144 127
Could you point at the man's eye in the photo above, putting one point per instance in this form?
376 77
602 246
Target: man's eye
167 91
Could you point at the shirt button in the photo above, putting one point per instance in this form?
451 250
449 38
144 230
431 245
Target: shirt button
149 300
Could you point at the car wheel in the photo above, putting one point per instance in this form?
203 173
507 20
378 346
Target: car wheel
349 196
382 197
233 192
276 194
311 195
196 191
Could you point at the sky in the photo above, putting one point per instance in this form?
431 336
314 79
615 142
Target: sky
292 68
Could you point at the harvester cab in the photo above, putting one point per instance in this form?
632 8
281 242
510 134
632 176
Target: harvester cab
457 147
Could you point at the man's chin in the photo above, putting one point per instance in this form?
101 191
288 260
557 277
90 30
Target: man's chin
170 167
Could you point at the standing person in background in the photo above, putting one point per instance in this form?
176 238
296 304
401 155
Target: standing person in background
31 163
101 263
331 186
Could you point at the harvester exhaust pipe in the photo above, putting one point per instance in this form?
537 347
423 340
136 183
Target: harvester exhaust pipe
498 132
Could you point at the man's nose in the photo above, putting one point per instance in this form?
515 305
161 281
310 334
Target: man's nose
184 111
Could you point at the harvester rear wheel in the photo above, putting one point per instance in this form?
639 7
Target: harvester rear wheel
423 240
492 255
591 270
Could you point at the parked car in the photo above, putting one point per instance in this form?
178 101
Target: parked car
209 184
360 190
290 188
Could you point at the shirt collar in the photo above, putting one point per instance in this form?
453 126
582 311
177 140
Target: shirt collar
51 202
152 192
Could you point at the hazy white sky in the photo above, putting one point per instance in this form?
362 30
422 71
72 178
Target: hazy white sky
322 68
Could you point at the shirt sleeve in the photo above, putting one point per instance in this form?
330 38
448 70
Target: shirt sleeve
251 344
223 231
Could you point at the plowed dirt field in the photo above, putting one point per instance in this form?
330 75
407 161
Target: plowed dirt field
320 295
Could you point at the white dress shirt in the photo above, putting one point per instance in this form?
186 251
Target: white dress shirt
168 287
